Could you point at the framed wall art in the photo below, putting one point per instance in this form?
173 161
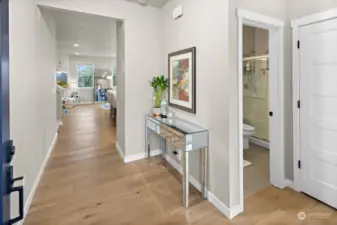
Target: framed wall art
182 79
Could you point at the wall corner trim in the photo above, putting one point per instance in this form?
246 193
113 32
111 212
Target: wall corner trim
120 151
230 213
39 176
290 184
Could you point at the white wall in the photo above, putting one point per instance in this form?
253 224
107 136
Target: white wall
143 57
87 94
32 90
62 62
276 9
205 26
301 8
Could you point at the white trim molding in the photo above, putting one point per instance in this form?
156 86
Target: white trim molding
230 213
314 18
178 167
276 49
296 24
120 151
141 155
290 184
39 176
259 18
259 142
135 157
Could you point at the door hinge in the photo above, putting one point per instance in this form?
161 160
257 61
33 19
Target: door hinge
299 104
271 114
298 44
299 164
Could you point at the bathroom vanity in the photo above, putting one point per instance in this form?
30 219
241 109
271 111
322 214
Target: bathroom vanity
186 137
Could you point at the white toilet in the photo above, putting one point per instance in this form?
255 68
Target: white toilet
248 132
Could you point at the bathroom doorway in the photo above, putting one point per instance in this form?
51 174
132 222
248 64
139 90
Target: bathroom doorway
261 130
255 109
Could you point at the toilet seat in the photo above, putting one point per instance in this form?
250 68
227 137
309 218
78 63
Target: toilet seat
248 128
248 132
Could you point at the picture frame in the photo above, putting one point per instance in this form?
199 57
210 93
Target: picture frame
182 79
62 79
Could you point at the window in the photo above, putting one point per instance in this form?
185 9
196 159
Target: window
85 75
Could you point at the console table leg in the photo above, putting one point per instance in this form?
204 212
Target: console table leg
205 172
186 180
147 142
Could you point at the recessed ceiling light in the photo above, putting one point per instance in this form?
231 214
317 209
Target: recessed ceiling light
76 45
76 53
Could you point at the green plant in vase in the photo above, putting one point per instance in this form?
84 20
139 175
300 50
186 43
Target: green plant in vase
159 85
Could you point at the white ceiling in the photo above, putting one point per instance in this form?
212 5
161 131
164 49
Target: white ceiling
96 35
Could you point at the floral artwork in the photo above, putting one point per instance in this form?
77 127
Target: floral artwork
182 73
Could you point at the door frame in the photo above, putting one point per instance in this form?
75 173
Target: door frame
276 49
296 25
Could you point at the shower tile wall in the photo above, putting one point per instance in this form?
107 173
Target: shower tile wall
256 101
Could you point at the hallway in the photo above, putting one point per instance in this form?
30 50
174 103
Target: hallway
86 182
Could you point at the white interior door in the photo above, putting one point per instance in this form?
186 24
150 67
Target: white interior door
318 113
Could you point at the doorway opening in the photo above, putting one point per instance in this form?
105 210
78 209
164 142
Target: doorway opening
255 109
261 103
86 58
86 54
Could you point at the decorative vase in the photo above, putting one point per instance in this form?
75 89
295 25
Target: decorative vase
158 95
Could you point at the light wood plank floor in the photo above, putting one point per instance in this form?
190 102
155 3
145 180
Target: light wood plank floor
86 182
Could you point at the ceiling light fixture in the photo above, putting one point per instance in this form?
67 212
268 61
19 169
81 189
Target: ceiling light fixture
76 53
76 45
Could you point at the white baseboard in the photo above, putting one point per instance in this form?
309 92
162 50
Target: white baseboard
290 184
120 151
139 156
229 213
259 142
178 167
38 178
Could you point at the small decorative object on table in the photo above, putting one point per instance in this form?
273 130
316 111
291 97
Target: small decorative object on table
164 108
159 85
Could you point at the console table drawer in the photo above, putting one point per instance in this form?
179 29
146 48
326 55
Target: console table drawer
174 138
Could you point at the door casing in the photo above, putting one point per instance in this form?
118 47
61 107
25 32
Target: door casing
276 87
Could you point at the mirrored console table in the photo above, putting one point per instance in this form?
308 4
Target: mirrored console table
186 137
